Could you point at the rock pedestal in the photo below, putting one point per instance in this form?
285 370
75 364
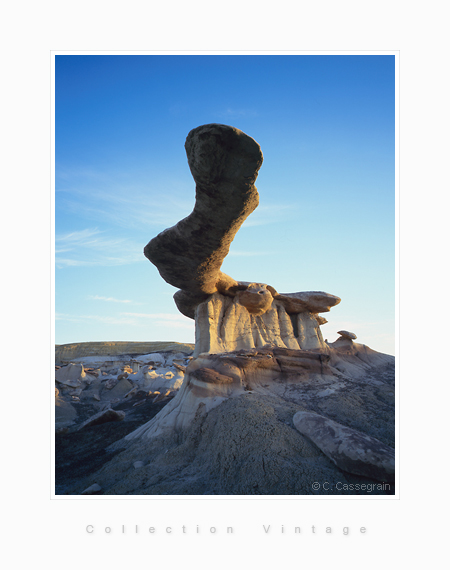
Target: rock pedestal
223 324
244 420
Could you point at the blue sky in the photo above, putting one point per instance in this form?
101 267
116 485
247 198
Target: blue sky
326 219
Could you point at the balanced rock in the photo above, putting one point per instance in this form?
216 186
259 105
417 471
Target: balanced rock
347 335
349 449
229 314
224 163
259 361
311 301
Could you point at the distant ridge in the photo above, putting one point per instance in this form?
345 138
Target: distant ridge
67 352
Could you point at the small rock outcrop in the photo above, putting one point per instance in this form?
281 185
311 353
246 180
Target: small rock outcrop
347 335
70 375
103 417
94 489
349 449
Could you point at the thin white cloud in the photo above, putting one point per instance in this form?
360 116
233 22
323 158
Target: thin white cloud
77 237
96 318
110 299
247 253
166 316
92 246
165 319
269 214
61 316
63 250
61 262
230 112
97 260
134 319
89 238
114 197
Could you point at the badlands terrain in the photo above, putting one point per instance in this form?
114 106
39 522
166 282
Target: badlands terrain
121 385
261 405
245 441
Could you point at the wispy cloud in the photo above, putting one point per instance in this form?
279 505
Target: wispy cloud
270 214
118 199
92 246
124 212
113 199
247 253
86 319
134 319
79 237
110 299
230 112
167 319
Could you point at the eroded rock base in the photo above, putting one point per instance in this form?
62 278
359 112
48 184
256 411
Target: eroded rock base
230 429
223 324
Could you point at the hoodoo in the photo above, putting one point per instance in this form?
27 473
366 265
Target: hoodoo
266 406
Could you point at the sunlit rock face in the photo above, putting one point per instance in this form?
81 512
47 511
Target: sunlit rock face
224 324
257 299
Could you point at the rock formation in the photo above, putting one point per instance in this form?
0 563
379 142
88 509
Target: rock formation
216 377
348 448
347 335
65 353
264 405
229 314
224 324
98 380
232 428
224 162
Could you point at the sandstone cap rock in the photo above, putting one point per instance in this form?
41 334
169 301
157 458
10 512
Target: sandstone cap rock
347 335
224 162
312 301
